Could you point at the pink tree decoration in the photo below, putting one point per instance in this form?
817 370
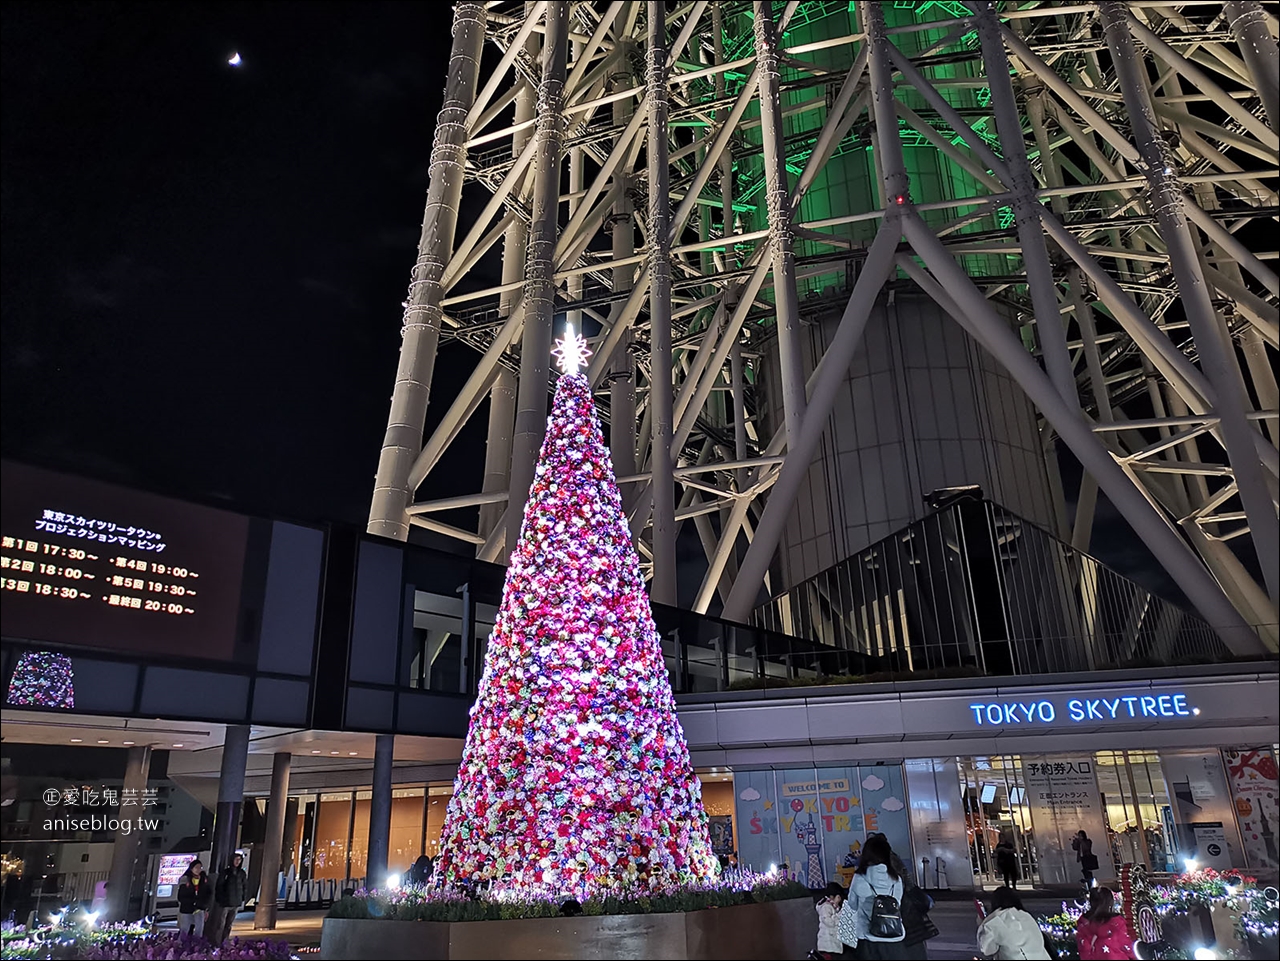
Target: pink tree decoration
575 776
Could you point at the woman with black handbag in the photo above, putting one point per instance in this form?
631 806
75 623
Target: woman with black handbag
917 926
1083 846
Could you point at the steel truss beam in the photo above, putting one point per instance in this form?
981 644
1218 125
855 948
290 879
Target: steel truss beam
1123 161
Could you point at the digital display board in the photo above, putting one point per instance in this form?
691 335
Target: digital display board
94 565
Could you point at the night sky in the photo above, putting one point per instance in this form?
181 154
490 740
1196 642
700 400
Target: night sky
203 265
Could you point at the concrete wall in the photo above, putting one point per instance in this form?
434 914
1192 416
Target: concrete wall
922 407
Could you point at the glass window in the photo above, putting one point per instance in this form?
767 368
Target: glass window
439 657
1138 812
360 835
333 828
437 802
406 829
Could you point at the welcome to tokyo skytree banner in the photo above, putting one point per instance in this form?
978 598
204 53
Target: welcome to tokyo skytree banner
817 820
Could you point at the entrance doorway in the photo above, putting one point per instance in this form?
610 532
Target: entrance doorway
996 810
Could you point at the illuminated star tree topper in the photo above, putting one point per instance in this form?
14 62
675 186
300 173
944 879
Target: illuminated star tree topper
571 351
575 777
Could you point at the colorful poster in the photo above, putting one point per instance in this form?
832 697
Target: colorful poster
1253 778
1062 792
1200 795
721 834
813 822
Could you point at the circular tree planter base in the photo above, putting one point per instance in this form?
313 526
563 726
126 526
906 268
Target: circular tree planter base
776 929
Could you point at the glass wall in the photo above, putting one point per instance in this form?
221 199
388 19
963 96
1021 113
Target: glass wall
1158 809
1006 810
331 831
976 588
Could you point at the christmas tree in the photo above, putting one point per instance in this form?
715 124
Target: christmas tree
575 776
42 679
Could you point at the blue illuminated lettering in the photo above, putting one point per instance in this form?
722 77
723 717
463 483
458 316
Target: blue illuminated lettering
1080 710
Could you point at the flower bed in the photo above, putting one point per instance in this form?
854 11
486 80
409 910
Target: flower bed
452 905
127 941
1181 905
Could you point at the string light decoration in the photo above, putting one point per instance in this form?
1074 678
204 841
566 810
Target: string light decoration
575 774
42 679
1254 912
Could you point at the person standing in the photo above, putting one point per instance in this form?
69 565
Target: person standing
1102 933
918 928
1007 862
194 898
1009 932
1085 857
231 892
875 903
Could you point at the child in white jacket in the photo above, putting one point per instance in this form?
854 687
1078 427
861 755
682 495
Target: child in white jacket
828 908
1009 933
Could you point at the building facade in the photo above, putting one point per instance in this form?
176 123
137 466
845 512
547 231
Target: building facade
315 644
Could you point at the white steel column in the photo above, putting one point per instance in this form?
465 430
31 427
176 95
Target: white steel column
622 373
423 314
778 195
663 587
1258 48
539 294
1026 209
1166 200
497 452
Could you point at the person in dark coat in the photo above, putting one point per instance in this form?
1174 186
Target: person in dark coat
1088 861
917 924
195 894
421 871
1007 863
231 891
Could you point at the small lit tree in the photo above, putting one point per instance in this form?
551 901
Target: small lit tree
42 679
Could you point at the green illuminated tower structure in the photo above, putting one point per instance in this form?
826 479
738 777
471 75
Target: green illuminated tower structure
837 256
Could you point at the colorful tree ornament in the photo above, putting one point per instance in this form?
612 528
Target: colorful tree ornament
42 679
575 776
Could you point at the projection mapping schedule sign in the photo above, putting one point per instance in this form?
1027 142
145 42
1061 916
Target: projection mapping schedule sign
94 565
